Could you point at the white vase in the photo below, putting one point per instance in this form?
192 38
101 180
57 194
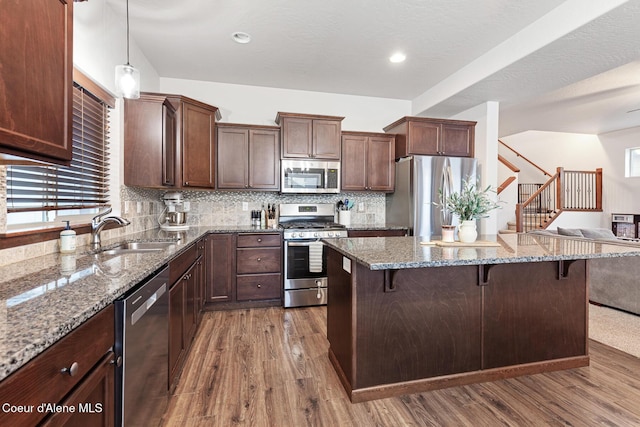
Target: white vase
467 232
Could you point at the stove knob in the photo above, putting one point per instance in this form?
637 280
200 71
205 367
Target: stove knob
293 235
330 234
316 234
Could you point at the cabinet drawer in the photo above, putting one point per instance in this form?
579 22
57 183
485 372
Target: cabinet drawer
259 260
179 265
259 240
258 287
42 380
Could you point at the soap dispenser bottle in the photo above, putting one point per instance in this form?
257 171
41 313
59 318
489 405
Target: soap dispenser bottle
67 240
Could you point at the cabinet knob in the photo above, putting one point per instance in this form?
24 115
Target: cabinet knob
117 361
71 370
259 259
186 183
259 285
259 240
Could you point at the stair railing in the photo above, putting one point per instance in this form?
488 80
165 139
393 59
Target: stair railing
525 159
564 191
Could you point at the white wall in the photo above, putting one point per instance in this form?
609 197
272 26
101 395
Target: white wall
486 151
259 105
550 150
99 44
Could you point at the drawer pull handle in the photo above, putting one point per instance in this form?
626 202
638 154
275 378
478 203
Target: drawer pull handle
259 285
72 370
259 259
259 240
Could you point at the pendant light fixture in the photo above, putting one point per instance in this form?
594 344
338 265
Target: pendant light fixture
127 76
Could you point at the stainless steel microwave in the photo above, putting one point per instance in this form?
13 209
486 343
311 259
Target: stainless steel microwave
310 176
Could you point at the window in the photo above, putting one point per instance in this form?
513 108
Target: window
632 162
41 194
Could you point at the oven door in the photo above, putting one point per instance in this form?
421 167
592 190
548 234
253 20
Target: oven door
305 264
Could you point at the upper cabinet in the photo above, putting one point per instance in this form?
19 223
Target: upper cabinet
433 137
150 142
368 161
169 142
36 80
248 157
310 136
196 142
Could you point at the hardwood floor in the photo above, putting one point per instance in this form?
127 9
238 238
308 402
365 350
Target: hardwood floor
269 367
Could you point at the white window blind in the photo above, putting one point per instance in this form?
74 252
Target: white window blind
83 184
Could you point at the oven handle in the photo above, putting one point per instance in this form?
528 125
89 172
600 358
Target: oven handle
305 243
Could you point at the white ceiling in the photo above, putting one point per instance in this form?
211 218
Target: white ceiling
584 81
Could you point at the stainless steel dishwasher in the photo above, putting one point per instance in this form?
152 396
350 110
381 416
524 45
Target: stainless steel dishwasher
142 344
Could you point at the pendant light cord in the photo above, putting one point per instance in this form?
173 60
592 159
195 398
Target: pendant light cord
128 33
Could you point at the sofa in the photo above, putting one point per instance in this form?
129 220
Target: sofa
613 282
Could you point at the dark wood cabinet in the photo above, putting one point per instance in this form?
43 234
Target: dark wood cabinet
523 326
220 267
196 142
310 136
183 308
36 79
93 400
248 157
258 266
86 354
368 162
433 137
169 141
149 142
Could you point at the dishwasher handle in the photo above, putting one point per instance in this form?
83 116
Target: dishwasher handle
140 312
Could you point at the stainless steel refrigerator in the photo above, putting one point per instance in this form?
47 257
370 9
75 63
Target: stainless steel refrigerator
419 180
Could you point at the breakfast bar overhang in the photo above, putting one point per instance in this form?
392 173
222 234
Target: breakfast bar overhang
405 316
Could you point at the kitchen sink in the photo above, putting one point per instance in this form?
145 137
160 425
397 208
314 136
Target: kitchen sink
137 247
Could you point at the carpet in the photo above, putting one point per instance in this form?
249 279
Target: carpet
615 328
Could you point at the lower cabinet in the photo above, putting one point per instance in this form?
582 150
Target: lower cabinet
77 371
183 308
244 268
220 267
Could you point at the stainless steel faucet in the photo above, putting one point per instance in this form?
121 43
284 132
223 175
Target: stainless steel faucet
99 221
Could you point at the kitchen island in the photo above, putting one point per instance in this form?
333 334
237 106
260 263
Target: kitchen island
405 317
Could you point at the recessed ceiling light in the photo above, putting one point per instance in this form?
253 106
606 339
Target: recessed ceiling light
397 57
241 37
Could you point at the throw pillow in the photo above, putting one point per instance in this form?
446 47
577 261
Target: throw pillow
575 232
598 233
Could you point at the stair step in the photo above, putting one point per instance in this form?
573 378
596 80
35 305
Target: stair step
507 231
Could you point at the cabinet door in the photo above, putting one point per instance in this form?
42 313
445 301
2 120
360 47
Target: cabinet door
190 304
149 142
168 145
264 159
176 329
220 267
457 140
326 139
296 137
198 146
354 162
93 399
36 79
381 164
423 138
233 151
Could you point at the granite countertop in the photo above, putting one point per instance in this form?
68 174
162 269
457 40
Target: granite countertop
45 298
383 253
356 226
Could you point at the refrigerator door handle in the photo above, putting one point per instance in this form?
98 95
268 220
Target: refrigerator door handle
447 189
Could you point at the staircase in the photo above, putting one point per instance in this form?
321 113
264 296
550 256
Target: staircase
540 204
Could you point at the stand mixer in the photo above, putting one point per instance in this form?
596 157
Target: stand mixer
174 215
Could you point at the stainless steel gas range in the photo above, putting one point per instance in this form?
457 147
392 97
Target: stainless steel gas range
305 259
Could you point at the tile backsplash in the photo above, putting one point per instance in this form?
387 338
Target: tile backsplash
207 208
